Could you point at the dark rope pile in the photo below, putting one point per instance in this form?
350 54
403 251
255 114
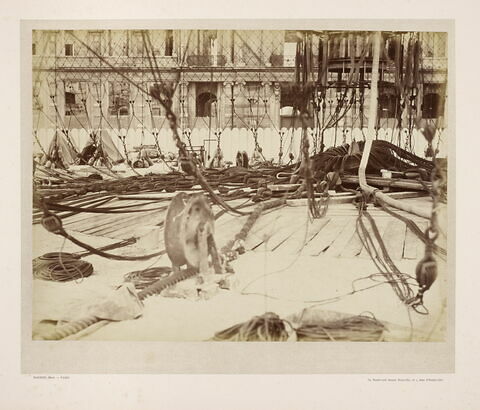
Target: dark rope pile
61 267
67 187
383 155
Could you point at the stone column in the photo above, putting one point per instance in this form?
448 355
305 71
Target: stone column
59 102
238 96
226 36
104 91
183 104
266 100
227 46
275 107
190 104
147 100
183 36
226 104
88 94
175 98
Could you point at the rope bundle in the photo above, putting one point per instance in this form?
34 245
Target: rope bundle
376 249
270 328
384 155
61 267
354 329
266 328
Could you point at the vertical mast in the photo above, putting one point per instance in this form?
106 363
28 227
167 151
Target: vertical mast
372 117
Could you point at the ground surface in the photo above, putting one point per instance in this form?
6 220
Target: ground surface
291 263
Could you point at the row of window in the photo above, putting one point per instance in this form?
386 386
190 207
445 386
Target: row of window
119 99
121 43
432 106
206 42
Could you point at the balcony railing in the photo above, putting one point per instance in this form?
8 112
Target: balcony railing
206 60
92 62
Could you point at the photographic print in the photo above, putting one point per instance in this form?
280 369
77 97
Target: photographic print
240 185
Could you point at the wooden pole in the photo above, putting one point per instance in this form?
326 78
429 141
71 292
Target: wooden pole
372 117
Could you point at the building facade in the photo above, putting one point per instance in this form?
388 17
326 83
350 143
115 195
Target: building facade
220 79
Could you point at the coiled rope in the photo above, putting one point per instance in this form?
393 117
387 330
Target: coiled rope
271 328
61 267
266 328
359 328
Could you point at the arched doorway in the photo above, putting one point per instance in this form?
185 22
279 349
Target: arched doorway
205 104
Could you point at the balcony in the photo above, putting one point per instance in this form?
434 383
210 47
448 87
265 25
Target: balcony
73 63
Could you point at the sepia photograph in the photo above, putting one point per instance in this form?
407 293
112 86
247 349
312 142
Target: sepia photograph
240 185
244 205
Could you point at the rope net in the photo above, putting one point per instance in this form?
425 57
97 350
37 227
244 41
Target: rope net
113 84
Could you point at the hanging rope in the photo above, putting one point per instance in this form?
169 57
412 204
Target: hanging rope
399 281
191 165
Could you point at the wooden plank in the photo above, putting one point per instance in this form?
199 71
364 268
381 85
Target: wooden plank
69 216
394 238
227 231
302 236
114 220
341 239
85 218
271 232
346 198
375 212
295 225
411 244
93 221
326 236
303 202
382 224
154 196
353 246
129 231
259 225
138 219
226 227
414 248
265 222
409 184
81 216
227 218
